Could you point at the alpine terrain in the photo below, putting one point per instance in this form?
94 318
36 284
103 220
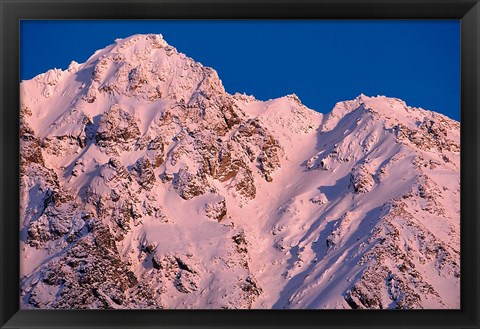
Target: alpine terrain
144 184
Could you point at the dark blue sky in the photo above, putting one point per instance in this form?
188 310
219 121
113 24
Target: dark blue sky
323 62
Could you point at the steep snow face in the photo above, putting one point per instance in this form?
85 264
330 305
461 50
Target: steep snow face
355 229
141 67
145 185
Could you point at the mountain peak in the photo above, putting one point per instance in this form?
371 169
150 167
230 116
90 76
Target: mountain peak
141 68
144 184
140 41
390 109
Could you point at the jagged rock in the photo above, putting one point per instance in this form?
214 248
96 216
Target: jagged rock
251 286
124 214
367 294
179 271
30 149
216 210
157 147
230 113
167 176
144 173
269 158
226 168
117 129
191 185
120 170
252 133
55 222
177 154
69 133
136 78
361 179
90 275
244 183
186 281
241 242
208 148
431 135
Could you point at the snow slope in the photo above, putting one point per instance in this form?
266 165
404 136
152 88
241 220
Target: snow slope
145 185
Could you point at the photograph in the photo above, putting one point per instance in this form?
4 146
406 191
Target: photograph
239 164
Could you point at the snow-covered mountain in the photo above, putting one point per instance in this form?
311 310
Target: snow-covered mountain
144 184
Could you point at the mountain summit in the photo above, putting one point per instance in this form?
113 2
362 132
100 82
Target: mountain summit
144 184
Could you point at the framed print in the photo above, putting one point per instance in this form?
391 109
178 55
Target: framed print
239 164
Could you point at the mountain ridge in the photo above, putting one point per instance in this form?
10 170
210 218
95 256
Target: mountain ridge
146 185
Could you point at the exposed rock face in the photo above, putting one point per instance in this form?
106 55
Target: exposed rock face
156 148
154 188
361 179
216 210
30 147
145 174
179 270
90 275
117 130
190 185
252 135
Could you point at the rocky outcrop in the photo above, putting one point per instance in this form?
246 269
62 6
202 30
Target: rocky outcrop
432 134
361 179
90 274
179 270
216 210
57 221
258 144
190 185
117 130
155 150
269 158
30 149
144 173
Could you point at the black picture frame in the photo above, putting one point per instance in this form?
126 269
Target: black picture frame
12 11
